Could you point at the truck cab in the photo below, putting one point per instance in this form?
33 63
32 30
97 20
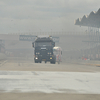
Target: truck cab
43 50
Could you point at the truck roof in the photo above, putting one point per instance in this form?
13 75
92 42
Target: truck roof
57 48
44 39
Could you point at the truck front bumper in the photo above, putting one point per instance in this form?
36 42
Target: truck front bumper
47 58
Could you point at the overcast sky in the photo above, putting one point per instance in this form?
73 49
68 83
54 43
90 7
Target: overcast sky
18 16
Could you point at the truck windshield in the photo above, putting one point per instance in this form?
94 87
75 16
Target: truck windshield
43 44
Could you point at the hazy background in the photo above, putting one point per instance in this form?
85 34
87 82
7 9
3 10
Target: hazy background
52 17
18 16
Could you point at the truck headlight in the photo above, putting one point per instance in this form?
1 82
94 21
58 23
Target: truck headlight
36 58
36 52
50 57
49 53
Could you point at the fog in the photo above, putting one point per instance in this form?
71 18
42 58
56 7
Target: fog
52 17
75 74
40 15
72 46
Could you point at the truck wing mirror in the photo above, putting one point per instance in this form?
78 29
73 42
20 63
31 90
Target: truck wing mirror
33 44
53 44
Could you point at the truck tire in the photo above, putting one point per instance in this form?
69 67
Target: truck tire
36 61
40 61
53 62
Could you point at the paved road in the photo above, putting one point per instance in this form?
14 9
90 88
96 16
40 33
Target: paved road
23 80
50 82
25 65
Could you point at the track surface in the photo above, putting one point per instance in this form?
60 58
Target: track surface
26 80
50 82
24 65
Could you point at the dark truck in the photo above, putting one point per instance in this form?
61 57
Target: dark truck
43 50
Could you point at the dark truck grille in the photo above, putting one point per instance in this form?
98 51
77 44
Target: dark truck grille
44 54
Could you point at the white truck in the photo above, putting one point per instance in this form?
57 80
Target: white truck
58 53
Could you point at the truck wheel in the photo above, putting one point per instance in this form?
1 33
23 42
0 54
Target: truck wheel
36 61
52 62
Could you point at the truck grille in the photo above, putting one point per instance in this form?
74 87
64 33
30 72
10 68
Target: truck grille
44 54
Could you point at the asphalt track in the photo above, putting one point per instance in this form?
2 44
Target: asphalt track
51 80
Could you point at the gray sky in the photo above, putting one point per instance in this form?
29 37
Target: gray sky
43 15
